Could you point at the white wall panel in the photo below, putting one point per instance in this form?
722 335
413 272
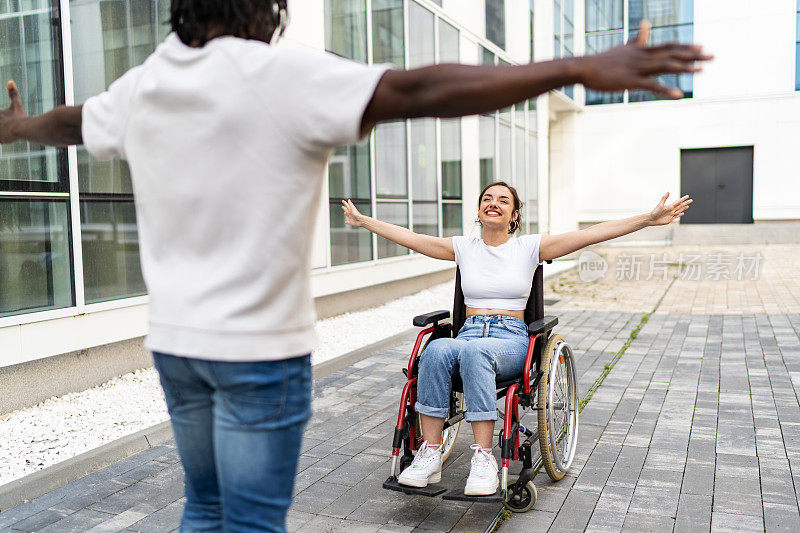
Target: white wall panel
753 44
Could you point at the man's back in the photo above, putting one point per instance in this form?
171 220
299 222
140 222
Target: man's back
227 146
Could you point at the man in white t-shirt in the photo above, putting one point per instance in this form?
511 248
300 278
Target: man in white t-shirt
228 138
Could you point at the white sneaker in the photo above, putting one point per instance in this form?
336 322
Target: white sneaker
482 480
425 468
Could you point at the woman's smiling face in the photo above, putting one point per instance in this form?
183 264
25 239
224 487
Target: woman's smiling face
497 207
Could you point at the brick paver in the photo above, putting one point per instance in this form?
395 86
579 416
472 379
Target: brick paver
696 427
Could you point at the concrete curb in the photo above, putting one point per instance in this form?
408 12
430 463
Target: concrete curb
326 368
27 488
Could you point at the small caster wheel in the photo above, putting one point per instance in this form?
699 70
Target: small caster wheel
520 498
405 461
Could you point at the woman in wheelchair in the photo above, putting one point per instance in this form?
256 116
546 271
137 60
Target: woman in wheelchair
496 273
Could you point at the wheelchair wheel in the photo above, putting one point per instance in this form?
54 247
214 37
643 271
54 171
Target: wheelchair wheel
450 434
520 499
558 407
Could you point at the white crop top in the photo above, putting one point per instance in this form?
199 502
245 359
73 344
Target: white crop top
497 277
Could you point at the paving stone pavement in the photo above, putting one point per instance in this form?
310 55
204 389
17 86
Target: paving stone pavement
696 427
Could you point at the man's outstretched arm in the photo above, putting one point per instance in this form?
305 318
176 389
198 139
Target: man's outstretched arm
457 90
59 127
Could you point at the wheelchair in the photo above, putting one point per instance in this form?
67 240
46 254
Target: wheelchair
547 385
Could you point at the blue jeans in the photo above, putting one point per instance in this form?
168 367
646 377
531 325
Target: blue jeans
487 348
238 428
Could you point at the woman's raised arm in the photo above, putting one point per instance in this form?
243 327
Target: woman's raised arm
554 246
436 247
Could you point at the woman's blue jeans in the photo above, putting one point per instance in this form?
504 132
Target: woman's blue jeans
487 348
238 429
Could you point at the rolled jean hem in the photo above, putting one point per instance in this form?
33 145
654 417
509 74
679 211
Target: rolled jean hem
436 412
481 416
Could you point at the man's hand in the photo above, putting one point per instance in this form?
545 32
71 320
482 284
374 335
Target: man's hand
631 66
58 127
10 117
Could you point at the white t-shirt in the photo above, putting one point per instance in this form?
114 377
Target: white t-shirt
497 277
227 146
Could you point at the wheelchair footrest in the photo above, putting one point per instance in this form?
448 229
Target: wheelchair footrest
431 490
458 495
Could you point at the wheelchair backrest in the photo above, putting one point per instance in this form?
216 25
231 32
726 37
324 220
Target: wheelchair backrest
534 309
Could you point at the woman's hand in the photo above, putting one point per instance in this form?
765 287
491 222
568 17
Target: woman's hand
664 214
351 214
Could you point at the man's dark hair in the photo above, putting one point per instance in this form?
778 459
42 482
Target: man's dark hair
197 21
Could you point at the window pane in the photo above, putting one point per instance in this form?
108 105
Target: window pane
532 187
531 21
451 219
685 82
486 149
797 67
423 159
451 158
557 30
110 243
504 155
35 263
532 120
659 12
520 170
391 170
602 15
108 38
426 218
596 43
393 213
387 32
496 22
449 49
348 173
420 36
346 28
30 55
487 57
103 177
349 244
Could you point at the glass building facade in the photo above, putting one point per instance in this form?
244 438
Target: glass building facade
797 50
564 33
610 23
410 172
68 235
496 22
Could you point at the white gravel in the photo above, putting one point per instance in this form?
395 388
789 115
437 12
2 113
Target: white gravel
60 428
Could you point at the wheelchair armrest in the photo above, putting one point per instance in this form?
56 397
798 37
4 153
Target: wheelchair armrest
543 324
430 318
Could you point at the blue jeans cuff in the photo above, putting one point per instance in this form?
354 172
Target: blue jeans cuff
437 412
481 416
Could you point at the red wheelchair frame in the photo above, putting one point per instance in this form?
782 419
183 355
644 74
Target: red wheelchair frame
519 392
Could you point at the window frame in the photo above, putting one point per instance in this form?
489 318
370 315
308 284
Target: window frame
62 185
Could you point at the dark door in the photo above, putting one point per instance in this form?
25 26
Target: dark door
720 180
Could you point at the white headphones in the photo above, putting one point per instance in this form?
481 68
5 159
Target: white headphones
280 14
